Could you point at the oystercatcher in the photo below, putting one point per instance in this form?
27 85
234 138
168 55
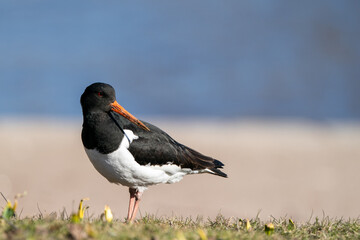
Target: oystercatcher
133 153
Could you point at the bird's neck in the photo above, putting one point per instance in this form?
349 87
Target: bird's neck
100 132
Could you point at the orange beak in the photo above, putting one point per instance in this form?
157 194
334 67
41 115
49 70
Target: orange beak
116 107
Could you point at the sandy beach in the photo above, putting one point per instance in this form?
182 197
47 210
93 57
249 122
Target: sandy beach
278 168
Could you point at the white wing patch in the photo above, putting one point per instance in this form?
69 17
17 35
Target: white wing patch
120 167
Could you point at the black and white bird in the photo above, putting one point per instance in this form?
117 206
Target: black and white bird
132 153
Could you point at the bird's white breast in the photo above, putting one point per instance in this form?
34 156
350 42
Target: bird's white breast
120 167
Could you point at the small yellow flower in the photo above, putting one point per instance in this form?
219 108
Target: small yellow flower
269 228
108 214
78 217
291 225
81 210
9 210
247 225
9 205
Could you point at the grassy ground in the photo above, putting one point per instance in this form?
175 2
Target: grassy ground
176 228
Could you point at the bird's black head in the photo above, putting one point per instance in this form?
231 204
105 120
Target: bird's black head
100 97
97 97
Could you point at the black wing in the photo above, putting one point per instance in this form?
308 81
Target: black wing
156 147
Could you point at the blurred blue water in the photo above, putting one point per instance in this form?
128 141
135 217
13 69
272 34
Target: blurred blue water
193 58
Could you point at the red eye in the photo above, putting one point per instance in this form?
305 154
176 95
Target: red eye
100 94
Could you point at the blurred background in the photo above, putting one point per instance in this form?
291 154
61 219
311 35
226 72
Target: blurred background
269 88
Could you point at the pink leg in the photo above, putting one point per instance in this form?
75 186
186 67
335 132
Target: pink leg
136 207
132 192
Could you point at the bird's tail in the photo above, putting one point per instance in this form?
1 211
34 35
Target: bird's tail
205 162
216 169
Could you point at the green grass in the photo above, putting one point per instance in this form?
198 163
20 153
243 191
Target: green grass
150 227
